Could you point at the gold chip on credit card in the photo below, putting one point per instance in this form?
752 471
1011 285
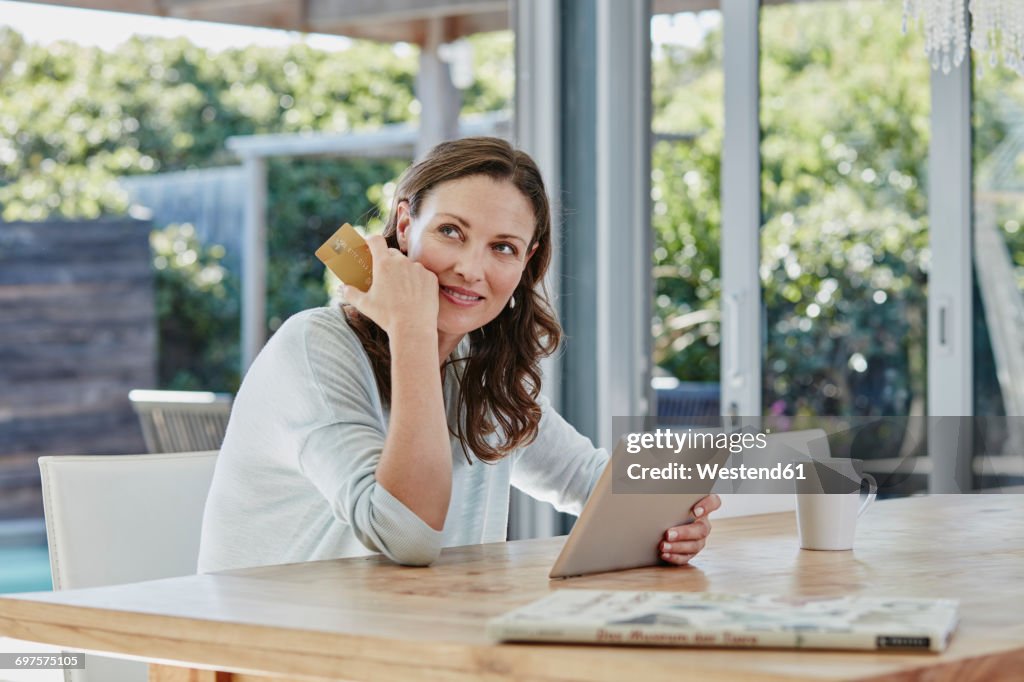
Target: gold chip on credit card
348 256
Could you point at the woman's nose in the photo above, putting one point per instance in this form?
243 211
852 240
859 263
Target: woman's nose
469 266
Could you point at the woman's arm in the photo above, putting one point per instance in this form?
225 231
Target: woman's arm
416 463
561 466
341 430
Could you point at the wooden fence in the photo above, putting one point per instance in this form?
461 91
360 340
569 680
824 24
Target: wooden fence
77 332
210 199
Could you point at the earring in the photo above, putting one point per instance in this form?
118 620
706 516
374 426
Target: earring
512 303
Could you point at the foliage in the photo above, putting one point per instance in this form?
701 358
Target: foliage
844 115
685 186
493 71
160 104
845 133
312 198
198 311
845 242
998 112
73 119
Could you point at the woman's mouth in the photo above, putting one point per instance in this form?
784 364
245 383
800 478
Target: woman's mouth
460 297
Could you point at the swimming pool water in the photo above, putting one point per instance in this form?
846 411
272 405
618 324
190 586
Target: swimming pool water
24 569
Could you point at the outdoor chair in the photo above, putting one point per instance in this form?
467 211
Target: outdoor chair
181 421
694 400
113 519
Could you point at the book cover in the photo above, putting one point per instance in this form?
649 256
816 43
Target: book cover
730 620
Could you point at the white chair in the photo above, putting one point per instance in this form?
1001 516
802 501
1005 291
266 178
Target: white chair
113 519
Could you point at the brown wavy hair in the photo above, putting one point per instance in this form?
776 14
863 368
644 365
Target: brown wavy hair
500 380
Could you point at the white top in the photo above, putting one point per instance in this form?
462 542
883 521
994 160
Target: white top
295 481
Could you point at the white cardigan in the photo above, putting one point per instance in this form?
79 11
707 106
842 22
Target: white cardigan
295 477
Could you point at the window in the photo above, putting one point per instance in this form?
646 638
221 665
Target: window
686 158
844 241
998 150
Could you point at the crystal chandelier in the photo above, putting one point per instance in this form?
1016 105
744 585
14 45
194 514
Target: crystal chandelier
997 27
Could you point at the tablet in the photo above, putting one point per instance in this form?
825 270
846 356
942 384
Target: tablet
617 531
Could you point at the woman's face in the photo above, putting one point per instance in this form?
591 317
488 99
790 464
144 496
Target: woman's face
474 234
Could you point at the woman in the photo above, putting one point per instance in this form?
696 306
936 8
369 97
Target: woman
397 423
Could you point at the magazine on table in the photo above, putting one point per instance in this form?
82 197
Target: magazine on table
730 620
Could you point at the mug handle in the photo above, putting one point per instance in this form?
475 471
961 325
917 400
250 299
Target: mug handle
872 491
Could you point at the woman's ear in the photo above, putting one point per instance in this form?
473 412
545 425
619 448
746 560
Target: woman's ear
402 225
533 250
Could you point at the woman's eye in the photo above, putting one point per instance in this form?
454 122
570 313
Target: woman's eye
449 230
506 249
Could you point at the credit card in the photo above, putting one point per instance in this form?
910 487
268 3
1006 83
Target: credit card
347 255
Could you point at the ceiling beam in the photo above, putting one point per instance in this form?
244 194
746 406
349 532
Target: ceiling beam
383 20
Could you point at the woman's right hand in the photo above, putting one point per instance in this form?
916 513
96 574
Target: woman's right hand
403 295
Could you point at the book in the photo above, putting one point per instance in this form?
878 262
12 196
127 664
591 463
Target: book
701 619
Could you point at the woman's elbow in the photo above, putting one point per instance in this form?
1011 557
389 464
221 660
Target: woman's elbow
385 525
415 556
403 546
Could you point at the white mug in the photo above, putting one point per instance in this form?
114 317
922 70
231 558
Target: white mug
829 520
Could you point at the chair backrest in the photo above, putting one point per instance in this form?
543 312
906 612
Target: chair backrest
113 519
689 399
181 421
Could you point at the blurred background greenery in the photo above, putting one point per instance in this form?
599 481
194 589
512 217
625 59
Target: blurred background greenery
845 134
74 119
845 105
844 241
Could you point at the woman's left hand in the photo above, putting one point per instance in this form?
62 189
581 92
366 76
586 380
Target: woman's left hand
682 543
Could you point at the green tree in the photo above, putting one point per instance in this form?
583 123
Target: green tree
844 117
685 186
845 113
197 304
74 119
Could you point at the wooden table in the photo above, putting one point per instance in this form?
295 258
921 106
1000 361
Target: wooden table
364 619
